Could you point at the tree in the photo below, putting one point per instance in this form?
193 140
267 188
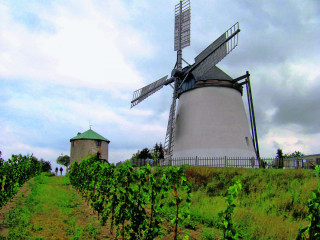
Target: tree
144 154
64 160
45 166
279 158
158 151
294 154
1 160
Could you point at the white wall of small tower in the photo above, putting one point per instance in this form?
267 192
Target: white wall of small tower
85 147
212 122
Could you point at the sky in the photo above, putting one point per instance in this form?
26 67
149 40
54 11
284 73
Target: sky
67 64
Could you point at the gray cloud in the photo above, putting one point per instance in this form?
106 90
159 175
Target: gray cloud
299 107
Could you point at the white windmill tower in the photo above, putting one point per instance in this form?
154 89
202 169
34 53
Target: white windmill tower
211 120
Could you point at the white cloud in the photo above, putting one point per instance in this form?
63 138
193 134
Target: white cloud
86 50
289 138
122 154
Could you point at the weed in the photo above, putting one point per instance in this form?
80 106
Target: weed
18 223
313 229
207 234
225 217
190 224
92 230
317 171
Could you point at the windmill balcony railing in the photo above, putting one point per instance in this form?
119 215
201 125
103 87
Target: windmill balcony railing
230 162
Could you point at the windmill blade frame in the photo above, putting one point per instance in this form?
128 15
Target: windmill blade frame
216 51
169 140
182 25
142 93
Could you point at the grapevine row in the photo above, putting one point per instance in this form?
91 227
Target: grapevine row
130 198
14 173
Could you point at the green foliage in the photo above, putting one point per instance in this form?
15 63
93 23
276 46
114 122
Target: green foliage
15 172
313 229
279 153
294 154
63 160
176 178
215 188
52 209
279 159
144 154
225 217
317 171
45 166
123 194
158 151
272 202
18 222
207 234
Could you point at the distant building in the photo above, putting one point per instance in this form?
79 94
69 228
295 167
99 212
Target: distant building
308 161
88 143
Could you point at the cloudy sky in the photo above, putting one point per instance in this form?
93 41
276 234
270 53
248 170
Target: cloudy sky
65 64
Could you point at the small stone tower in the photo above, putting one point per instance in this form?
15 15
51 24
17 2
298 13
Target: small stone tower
88 143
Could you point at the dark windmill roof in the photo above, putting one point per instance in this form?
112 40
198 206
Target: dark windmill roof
214 73
90 134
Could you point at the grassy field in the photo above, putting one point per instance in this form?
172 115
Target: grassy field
271 205
52 210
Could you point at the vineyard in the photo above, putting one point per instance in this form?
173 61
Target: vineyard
128 202
15 172
132 200
136 201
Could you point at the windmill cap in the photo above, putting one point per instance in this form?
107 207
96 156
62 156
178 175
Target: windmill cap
89 135
214 73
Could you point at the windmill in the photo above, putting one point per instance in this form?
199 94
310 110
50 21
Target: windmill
210 119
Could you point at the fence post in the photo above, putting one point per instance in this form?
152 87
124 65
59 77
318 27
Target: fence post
259 162
197 164
225 161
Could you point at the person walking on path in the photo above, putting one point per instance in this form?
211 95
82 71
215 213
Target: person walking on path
61 169
56 171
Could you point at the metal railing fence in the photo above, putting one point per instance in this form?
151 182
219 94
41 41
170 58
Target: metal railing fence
229 162
235 162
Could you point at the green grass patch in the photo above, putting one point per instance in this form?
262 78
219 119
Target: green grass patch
52 210
271 205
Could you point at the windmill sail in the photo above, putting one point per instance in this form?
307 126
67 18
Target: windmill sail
142 93
168 143
216 51
182 32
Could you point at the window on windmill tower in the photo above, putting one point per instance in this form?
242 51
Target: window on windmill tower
98 143
247 141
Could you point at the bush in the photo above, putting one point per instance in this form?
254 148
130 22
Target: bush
207 234
49 174
216 188
190 224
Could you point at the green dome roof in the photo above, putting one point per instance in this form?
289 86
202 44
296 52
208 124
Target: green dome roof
90 134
